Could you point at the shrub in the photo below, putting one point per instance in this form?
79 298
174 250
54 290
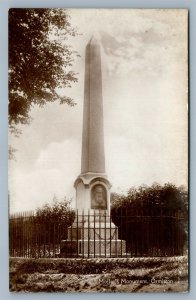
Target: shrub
153 220
52 221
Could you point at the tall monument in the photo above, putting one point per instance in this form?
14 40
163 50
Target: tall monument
93 233
92 186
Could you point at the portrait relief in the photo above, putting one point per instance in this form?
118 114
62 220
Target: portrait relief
98 197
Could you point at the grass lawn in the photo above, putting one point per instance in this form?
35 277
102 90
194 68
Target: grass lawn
163 274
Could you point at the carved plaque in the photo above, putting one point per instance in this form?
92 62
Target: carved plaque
98 197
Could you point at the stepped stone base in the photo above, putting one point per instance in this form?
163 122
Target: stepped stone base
95 231
93 240
89 248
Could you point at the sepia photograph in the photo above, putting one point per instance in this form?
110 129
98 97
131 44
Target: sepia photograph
98 150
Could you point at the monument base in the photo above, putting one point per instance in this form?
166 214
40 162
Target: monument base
89 248
98 239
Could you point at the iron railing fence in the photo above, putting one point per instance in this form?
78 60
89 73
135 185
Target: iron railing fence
96 235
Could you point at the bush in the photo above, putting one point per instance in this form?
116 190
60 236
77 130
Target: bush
40 234
54 220
153 220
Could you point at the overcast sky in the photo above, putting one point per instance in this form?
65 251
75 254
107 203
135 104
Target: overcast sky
144 69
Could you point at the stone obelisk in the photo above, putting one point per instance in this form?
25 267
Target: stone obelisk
93 156
92 186
93 233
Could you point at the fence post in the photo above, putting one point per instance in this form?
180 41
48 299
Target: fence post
121 231
83 233
110 235
71 248
77 229
88 233
126 230
105 232
94 234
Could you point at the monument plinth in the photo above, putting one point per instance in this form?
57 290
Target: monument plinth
93 233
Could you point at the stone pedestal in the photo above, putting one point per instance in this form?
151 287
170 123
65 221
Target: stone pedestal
95 236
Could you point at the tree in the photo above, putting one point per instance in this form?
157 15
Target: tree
39 60
58 211
53 220
39 234
153 220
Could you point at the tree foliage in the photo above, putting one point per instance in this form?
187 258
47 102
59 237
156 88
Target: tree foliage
40 234
40 60
153 220
58 211
155 196
52 221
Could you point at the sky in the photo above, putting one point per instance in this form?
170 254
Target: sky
145 99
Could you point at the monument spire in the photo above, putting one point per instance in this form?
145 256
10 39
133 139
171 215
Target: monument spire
93 156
